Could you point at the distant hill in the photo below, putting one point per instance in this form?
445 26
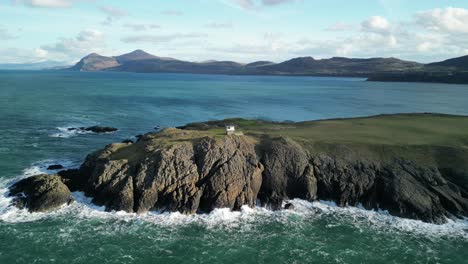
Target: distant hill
95 62
382 69
338 66
460 63
259 64
141 61
34 66
138 55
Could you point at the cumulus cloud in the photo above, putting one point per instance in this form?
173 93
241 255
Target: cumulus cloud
85 42
158 39
45 3
376 24
445 20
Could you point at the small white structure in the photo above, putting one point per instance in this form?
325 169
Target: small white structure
230 129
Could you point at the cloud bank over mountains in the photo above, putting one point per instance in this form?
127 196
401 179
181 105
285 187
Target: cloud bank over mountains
178 31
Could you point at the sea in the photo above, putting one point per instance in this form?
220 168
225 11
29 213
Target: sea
38 107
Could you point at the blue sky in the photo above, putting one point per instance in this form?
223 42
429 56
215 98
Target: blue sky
241 30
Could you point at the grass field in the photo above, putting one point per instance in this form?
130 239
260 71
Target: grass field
428 139
403 129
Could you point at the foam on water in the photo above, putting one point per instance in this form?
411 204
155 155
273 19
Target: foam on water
65 132
380 221
40 167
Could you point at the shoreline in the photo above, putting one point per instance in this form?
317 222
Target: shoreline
306 164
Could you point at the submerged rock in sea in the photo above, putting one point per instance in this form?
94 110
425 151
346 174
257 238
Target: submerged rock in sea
195 171
100 129
55 167
94 129
41 193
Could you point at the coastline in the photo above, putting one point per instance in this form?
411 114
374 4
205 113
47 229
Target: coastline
265 144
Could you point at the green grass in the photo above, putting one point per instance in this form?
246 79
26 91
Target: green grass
403 129
427 139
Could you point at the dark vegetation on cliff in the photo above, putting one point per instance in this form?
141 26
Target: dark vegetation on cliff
376 69
413 165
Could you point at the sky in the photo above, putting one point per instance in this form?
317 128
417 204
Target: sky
238 30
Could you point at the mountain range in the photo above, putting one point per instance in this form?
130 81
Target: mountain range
372 68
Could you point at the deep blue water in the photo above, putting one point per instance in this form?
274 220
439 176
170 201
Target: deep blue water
37 107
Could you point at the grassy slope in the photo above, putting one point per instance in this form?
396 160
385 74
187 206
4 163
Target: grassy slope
428 139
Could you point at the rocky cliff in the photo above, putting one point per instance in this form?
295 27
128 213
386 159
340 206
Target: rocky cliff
195 172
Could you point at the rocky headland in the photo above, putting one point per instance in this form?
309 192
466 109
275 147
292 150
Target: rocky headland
406 164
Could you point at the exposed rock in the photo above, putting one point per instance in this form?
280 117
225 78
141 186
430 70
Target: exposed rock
55 167
186 177
40 193
100 129
289 206
189 172
287 174
401 187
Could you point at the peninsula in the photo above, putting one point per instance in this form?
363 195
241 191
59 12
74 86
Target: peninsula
413 165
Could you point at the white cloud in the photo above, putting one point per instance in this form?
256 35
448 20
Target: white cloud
45 3
16 55
444 20
141 27
157 39
40 53
85 42
376 24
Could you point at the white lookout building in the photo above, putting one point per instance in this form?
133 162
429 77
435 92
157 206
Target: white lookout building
230 129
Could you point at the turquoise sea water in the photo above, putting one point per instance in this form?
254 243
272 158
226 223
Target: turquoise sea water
36 108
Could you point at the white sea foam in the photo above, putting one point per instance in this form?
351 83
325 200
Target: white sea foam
40 167
65 132
304 211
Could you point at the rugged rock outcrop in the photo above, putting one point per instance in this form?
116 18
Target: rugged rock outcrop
401 187
187 177
40 193
190 172
288 173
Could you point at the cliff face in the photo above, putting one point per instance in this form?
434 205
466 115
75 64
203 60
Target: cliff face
188 177
189 172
